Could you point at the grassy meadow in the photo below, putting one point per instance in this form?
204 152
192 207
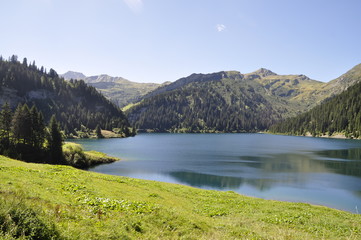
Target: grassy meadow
39 201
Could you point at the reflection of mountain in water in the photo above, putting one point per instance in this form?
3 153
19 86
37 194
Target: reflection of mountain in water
202 180
266 172
344 161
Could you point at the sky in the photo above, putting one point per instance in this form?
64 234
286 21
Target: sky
164 40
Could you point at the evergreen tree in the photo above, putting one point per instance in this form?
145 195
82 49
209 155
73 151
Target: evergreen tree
98 132
25 62
5 126
21 124
55 142
14 59
37 128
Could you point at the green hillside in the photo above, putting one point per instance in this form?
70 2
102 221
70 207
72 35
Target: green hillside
343 82
340 114
59 202
224 102
118 90
233 102
76 105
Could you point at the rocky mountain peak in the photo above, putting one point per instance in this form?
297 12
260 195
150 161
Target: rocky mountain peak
73 75
263 72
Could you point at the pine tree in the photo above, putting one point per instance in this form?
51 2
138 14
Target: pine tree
5 126
55 142
21 124
25 62
98 132
37 128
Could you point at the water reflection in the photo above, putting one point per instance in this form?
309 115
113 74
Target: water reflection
342 154
315 170
207 180
344 161
286 162
284 169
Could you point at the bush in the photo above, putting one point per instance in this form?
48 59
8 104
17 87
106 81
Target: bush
19 221
74 155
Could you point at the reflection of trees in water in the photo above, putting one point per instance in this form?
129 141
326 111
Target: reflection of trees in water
347 154
343 161
264 172
285 163
201 180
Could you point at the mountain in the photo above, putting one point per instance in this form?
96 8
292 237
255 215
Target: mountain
117 89
76 105
73 75
226 101
343 82
229 101
340 114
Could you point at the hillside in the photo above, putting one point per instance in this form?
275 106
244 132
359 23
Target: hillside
76 105
343 82
233 102
58 202
117 89
225 102
340 114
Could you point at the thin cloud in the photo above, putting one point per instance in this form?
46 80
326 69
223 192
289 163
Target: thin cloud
220 27
134 5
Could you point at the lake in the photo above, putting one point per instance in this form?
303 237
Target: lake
299 169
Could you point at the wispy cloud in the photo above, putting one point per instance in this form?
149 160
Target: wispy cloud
220 27
135 5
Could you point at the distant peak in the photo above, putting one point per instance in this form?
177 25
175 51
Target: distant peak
263 72
73 75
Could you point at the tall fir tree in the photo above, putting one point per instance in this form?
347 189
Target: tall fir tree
37 128
98 132
6 116
21 125
55 141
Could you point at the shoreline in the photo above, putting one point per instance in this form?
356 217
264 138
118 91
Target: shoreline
333 136
133 208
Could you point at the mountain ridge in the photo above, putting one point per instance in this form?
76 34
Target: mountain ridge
118 90
282 95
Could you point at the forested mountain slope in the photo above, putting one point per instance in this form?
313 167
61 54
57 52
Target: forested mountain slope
341 114
229 101
223 102
117 89
75 104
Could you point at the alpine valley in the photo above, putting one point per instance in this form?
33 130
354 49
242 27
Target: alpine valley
230 101
226 101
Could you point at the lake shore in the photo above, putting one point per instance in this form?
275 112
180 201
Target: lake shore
308 134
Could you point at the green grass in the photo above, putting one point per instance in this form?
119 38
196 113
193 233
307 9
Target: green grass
66 203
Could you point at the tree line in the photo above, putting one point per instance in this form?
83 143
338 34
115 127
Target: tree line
24 136
339 114
76 105
213 106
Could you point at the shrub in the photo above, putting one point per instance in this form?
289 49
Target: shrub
19 221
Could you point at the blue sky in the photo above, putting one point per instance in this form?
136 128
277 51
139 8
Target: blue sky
163 40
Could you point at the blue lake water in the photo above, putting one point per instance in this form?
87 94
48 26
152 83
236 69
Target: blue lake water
299 169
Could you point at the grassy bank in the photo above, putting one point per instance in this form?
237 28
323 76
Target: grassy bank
62 202
75 156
